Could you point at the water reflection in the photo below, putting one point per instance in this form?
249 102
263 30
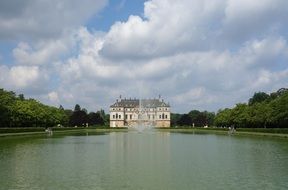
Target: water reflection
137 158
148 160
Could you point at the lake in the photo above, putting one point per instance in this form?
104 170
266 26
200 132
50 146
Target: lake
149 160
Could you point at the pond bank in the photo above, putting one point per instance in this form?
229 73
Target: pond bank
243 131
40 131
224 131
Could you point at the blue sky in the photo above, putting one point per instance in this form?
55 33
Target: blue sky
115 11
198 54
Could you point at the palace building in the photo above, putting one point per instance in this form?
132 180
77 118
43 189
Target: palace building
146 112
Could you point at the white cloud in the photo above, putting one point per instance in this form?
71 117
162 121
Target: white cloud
196 54
22 77
42 53
53 97
245 20
190 80
168 27
32 19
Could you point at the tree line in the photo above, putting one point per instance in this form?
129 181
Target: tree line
16 111
262 111
194 118
81 118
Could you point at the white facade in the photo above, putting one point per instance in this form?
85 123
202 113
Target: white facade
130 112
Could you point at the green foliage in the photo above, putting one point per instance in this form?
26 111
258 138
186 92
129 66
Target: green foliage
77 107
258 97
194 117
263 111
6 102
95 118
79 117
185 120
20 112
175 118
223 118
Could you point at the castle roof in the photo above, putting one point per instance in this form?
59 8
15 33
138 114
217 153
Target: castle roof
145 103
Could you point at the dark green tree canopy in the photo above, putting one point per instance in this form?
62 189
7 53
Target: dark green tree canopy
77 107
258 97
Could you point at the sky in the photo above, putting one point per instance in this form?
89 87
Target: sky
196 54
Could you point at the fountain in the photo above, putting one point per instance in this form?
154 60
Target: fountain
144 120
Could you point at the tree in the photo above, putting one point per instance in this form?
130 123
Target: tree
279 111
175 117
240 115
77 107
61 107
95 118
16 111
195 117
258 97
7 100
21 97
223 118
262 111
185 120
210 118
78 118
202 118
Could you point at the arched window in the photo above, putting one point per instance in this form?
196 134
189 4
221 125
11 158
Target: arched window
116 115
163 116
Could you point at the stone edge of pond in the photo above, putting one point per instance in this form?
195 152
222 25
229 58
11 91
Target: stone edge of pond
61 131
197 131
225 132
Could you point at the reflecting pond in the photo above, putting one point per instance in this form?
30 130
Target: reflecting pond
149 160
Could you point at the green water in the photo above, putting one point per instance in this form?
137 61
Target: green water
150 160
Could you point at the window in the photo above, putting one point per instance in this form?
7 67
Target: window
116 115
159 116
126 116
130 116
166 116
119 116
113 116
162 115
